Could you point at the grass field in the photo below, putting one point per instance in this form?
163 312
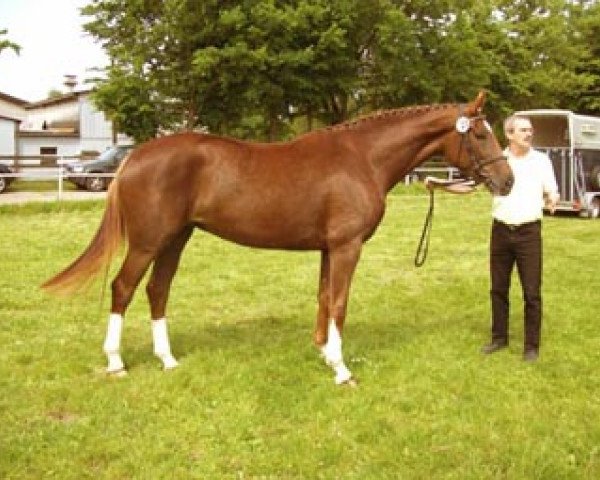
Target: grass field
252 400
38 186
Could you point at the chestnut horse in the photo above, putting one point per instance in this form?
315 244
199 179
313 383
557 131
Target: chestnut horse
324 191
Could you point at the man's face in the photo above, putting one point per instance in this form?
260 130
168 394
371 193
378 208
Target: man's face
521 134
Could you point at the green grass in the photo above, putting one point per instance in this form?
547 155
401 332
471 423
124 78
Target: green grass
39 186
252 400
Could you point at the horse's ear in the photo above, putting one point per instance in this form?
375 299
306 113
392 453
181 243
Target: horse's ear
479 102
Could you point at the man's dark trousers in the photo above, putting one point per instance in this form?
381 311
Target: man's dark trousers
521 245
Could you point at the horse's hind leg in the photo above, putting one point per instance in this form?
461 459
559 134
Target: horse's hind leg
320 333
123 286
163 271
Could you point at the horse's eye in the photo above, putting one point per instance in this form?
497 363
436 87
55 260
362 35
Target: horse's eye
482 131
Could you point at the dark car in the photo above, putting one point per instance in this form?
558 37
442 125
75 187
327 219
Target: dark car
5 181
107 162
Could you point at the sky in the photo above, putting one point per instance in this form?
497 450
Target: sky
53 44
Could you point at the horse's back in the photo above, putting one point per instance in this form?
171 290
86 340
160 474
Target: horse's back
280 195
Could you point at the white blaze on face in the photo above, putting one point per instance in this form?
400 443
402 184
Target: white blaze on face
487 126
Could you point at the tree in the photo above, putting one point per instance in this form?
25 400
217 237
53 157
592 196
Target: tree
237 67
428 51
127 99
248 67
4 43
587 99
283 58
537 50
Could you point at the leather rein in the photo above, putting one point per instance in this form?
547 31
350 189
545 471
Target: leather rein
463 125
477 163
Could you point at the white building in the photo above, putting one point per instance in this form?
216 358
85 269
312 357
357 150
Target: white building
65 125
9 131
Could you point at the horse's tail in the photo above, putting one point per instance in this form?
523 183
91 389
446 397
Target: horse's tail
98 253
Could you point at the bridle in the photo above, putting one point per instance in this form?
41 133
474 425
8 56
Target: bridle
463 125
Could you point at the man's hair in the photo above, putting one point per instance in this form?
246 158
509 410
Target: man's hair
509 123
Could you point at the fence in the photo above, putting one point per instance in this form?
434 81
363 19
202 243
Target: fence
21 162
46 167
51 167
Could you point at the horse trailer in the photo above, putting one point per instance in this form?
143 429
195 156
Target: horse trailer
572 142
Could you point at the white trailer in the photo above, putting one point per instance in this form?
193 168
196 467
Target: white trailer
572 142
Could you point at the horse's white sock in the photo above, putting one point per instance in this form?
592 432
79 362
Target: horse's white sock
332 351
112 343
162 346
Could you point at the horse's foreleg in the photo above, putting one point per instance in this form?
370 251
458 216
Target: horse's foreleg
343 262
320 333
157 290
162 345
123 286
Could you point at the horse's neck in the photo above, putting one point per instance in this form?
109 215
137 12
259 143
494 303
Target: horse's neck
398 143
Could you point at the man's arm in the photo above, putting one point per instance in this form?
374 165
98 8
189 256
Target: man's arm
551 195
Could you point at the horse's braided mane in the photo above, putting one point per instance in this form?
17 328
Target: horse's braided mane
398 112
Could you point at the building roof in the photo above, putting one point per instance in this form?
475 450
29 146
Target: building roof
4 117
65 98
16 101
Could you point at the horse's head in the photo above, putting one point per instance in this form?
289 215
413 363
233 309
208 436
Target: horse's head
474 150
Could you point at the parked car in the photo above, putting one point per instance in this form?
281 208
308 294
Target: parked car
107 162
5 181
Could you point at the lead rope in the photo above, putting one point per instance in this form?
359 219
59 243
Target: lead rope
423 247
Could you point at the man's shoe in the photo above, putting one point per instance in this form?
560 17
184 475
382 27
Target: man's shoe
530 355
494 346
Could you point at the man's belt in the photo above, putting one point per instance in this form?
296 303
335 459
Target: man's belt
516 226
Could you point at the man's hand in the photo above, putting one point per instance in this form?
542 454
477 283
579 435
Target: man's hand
452 186
551 199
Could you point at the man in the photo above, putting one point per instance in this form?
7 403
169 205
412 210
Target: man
516 236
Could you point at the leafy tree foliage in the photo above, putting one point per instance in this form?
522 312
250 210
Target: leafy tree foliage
537 51
587 100
4 43
249 68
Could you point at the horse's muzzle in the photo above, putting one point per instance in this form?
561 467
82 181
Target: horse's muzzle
500 187
506 187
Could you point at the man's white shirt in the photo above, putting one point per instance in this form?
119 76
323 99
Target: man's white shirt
534 177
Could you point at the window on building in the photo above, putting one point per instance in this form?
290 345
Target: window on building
48 150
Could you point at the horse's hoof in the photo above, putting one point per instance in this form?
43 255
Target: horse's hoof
120 373
168 360
169 363
351 382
